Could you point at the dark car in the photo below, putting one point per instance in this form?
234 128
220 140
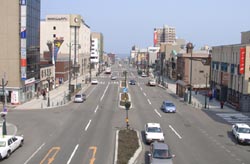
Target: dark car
160 153
132 82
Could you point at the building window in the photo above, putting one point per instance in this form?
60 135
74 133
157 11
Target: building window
54 27
201 71
54 35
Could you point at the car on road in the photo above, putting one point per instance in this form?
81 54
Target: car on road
113 77
152 82
94 81
144 74
153 132
160 153
168 107
241 132
79 98
132 82
8 144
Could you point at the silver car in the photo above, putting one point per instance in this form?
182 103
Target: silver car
79 98
160 154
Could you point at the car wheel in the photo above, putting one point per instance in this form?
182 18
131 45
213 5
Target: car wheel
8 154
21 144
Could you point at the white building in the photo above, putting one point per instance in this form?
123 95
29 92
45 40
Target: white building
74 40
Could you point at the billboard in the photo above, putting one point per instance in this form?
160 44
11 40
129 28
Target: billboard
242 60
23 53
155 37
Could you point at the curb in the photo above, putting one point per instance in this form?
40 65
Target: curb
136 154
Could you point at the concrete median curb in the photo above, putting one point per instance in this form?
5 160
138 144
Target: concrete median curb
136 154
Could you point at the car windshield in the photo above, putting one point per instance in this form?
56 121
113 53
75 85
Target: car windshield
244 130
162 154
78 96
154 129
2 143
169 104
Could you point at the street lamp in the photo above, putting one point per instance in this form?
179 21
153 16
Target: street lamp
206 76
4 113
48 104
190 48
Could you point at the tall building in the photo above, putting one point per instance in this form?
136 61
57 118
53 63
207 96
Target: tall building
96 57
164 35
231 73
19 48
66 38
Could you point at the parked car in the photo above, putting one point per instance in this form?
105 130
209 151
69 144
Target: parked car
94 81
168 107
132 82
241 132
9 144
78 98
152 82
153 132
160 153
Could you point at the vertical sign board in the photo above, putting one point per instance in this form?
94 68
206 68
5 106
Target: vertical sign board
155 37
242 60
23 60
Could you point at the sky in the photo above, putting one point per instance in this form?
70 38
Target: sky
125 23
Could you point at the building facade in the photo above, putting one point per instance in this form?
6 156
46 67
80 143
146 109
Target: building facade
19 48
231 73
67 39
164 35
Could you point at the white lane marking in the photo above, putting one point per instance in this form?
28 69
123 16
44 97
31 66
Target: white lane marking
175 131
96 108
34 154
149 102
104 92
86 128
144 94
73 153
157 113
141 88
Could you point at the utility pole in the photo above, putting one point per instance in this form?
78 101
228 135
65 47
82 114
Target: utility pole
69 96
206 76
4 112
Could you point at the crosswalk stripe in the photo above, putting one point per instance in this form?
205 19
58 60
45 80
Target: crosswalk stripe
234 117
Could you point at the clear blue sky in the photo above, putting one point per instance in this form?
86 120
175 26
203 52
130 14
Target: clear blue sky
125 23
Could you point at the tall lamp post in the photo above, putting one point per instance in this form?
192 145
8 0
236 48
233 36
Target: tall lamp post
4 112
48 104
190 48
206 76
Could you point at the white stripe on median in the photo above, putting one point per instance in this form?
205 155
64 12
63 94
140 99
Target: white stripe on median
149 102
175 131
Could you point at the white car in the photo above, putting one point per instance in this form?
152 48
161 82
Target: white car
9 144
143 74
153 132
94 81
152 82
241 132
79 98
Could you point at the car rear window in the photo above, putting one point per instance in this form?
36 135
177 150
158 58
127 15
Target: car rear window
78 96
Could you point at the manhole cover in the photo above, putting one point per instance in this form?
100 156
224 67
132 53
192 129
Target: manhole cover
187 125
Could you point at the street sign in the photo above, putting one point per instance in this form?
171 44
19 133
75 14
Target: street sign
125 90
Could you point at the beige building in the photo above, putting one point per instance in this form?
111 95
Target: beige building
19 49
231 73
164 35
70 38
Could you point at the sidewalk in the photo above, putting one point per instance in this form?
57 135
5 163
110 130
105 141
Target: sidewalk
198 100
57 97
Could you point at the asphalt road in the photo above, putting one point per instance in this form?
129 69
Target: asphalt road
84 133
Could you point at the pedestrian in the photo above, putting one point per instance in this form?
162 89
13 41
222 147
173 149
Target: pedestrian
221 104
